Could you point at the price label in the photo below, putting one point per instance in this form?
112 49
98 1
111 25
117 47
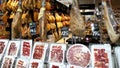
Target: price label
65 2
32 28
65 32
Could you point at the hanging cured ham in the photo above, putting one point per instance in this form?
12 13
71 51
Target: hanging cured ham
110 22
77 25
15 24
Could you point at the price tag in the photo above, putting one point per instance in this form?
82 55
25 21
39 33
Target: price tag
65 2
65 32
32 28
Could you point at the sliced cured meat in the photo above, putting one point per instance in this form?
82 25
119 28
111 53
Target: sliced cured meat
34 65
1 47
38 52
7 62
101 58
26 49
78 55
56 54
12 49
20 64
53 66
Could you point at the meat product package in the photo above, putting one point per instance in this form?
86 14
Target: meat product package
78 55
110 22
101 56
13 48
56 65
21 63
57 53
36 64
39 51
117 54
7 62
77 25
3 46
26 47
73 66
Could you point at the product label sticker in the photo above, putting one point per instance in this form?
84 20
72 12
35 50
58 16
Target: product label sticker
65 31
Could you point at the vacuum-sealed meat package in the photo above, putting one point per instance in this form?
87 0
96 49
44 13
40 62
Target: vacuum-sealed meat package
7 62
13 48
55 65
3 46
36 64
39 51
21 63
26 47
101 56
57 53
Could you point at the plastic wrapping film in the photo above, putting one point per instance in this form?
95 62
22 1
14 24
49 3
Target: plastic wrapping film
110 22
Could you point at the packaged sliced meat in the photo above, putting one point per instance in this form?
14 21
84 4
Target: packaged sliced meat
56 65
39 51
3 45
36 64
73 66
21 63
57 53
26 47
7 62
101 56
78 55
13 48
117 54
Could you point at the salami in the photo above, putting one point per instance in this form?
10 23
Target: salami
78 55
